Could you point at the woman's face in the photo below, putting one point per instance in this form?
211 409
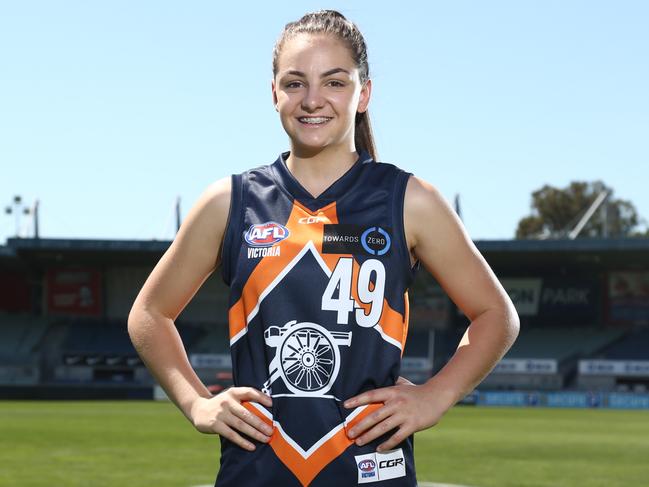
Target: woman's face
317 92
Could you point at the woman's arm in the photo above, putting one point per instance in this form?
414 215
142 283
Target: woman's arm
188 262
446 251
437 238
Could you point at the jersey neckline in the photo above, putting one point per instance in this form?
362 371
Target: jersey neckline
335 190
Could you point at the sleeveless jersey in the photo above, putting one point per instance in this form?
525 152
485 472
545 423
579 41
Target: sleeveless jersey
318 313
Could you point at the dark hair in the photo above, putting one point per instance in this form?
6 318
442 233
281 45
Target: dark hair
335 23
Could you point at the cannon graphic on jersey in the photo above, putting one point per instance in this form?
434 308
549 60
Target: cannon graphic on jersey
307 357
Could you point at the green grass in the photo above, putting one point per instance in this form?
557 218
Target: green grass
151 444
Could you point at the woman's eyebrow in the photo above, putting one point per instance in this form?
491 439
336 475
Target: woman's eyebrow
323 75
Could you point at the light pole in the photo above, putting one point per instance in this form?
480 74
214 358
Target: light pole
17 209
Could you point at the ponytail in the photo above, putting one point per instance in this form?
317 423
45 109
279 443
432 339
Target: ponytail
363 135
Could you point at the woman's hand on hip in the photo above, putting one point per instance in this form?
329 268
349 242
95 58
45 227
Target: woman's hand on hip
224 414
407 407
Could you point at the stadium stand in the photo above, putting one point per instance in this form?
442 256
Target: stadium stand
572 306
633 346
20 336
560 343
209 339
622 366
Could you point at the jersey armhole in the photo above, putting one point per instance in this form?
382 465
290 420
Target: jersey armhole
398 219
232 227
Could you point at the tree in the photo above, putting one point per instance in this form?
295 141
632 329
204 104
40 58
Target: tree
556 211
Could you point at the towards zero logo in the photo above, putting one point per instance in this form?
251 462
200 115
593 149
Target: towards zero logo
266 234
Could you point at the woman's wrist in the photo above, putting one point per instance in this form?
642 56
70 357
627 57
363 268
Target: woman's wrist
442 393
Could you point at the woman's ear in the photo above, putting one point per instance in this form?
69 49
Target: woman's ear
272 87
364 100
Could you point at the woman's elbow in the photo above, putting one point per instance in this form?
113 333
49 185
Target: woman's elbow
512 323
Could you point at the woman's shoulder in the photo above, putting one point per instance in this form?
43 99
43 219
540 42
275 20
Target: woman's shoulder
215 198
423 199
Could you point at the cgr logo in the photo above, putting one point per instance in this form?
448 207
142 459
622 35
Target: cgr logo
266 234
393 462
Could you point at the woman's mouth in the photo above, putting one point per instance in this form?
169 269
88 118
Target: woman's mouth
314 121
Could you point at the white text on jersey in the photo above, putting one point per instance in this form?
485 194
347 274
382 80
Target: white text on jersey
256 252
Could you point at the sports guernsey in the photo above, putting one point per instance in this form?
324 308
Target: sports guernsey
318 313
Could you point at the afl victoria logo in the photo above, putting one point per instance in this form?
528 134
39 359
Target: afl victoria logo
366 465
266 234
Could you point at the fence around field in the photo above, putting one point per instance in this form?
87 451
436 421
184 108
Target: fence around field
559 399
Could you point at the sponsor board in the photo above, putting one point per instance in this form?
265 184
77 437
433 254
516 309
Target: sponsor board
618 400
503 399
526 366
211 360
563 399
624 368
74 291
628 297
525 294
570 301
572 400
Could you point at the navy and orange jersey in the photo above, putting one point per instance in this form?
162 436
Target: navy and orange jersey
318 313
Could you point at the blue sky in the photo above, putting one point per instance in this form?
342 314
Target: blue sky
110 110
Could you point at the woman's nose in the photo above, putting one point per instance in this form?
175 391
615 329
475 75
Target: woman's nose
312 99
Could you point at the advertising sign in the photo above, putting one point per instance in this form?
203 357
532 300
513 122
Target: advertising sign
628 297
505 399
526 366
525 294
74 291
616 368
211 360
621 400
573 400
569 301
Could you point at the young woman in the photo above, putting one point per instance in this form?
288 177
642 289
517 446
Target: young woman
319 249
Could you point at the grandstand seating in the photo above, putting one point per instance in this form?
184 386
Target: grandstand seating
91 336
20 336
561 343
85 336
633 346
214 340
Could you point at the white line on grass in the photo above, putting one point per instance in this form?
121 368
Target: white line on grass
433 484
421 484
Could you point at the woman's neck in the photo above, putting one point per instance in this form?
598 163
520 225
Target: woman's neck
317 171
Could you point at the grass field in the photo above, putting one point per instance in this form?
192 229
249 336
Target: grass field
97 444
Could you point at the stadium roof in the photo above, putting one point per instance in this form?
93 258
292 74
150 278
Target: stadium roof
566 245
504 254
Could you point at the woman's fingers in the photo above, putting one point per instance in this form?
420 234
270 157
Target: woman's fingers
369 397
379 429
395 439
251 394
249 424
234 437
371 420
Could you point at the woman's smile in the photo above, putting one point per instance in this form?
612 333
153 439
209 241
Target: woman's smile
314 122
